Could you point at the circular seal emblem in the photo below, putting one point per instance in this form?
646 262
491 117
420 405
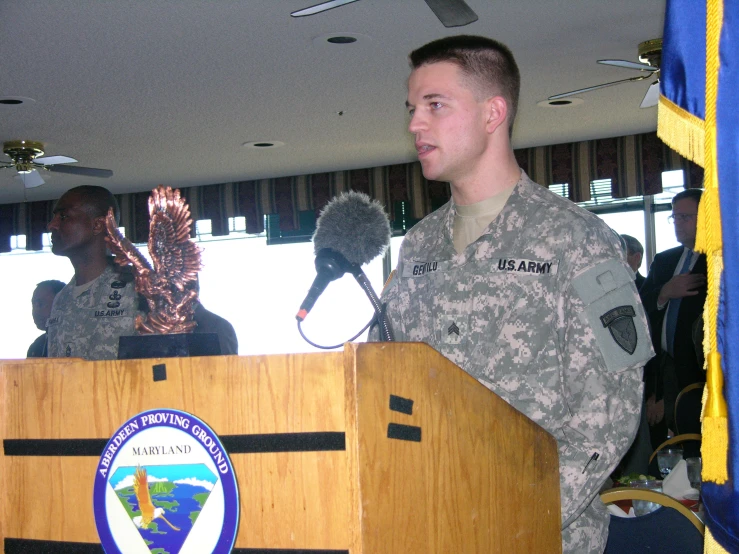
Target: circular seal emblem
165 484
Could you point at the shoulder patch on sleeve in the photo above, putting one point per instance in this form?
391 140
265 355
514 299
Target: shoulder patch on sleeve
612 311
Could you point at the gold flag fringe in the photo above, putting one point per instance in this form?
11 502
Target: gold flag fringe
710 546
680 130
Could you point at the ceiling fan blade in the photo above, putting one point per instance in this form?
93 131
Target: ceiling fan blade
452 13
77 170
318 8
588 89
651 98
630 65
30 180
51 160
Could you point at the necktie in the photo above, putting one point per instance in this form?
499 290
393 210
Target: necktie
673 308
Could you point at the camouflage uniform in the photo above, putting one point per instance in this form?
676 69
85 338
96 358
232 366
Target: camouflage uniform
86 323
543 311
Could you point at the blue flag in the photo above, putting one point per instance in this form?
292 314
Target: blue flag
699 117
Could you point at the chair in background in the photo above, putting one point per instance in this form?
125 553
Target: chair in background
688 409
689 442
670 529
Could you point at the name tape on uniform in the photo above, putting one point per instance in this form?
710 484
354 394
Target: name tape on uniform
500 265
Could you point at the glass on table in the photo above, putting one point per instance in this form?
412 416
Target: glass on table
642 507
667 458
694 472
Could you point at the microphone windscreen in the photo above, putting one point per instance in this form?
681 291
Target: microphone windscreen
354 225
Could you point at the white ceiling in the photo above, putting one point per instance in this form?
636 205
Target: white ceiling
169 91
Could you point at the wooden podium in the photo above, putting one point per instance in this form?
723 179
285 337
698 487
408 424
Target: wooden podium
323 463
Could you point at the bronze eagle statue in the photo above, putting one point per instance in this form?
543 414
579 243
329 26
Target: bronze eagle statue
169 283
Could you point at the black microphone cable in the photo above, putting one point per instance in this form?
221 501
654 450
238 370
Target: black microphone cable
386 332
300 330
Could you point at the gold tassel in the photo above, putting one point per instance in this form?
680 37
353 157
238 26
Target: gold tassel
710 546
715 424
681 130
715 442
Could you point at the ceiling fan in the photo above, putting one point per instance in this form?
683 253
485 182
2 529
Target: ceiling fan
650 56
24 157
452 13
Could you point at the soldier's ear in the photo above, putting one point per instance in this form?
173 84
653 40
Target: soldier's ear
497 111
98 225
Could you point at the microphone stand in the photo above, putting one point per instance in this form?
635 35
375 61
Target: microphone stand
386 332
330 265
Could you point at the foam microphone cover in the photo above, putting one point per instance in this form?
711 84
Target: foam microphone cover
355 226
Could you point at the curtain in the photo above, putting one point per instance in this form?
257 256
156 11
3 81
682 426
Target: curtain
633 163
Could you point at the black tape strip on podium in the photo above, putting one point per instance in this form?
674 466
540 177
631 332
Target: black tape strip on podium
284 442
31 546
54 447
284 551
234 444
404 432
400 404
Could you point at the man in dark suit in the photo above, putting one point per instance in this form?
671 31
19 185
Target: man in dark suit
673 296
634 256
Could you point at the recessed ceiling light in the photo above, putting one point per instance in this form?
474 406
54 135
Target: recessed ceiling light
341 39
263 144
331 40
13 101
560 103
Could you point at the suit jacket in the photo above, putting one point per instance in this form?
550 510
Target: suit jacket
639 280
37 348
208 322
687 367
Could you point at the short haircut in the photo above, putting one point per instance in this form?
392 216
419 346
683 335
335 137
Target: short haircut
693 194
98 199
53 285
487 63
633 246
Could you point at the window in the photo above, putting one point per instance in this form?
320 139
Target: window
664 231
21 271
18 242
629 223
561 189
259 288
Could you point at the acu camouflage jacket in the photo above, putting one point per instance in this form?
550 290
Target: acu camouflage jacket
543 311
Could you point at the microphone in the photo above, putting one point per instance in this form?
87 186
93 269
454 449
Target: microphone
330 265
355 226
351 231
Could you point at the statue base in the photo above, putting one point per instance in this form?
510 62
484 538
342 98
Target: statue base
168 346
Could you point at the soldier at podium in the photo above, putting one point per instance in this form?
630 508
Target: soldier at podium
521 288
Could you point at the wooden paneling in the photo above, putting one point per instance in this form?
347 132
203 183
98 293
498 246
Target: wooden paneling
483 478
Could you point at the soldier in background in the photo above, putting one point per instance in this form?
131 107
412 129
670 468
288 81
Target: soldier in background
634 257
99 304
41 302
530 294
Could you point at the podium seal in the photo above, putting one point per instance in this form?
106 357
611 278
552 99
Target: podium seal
165 484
